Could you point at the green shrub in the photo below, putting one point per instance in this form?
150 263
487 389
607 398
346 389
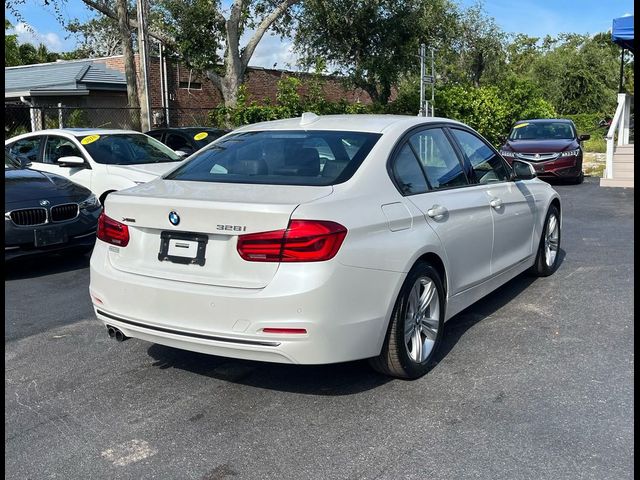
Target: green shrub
492 110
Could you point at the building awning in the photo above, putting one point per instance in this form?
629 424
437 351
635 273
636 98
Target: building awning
622 32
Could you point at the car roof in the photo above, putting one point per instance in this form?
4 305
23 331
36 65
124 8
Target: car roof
186 128
87 131
542 120
373 123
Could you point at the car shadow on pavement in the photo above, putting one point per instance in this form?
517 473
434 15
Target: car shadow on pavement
332 380
44 264
335 379
457 326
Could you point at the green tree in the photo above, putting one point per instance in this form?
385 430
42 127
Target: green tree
11 48
370 41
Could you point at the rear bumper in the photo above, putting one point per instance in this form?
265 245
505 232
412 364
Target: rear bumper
343 309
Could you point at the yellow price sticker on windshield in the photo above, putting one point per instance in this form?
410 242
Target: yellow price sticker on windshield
200 136
520 125
89 139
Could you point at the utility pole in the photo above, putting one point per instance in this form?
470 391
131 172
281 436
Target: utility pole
145 106
433 81
422 112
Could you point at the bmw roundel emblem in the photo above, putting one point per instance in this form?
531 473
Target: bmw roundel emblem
174 218
44 203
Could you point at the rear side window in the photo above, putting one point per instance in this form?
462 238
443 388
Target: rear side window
279 158
487 165
407 173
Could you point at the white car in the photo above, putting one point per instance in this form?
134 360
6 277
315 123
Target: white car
322 239
101 160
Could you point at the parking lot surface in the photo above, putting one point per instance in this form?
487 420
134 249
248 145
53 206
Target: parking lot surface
534 381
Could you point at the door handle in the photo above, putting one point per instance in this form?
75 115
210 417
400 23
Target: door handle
437 212
496 203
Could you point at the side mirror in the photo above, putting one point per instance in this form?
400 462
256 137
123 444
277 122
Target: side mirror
584 137
523 170
71 161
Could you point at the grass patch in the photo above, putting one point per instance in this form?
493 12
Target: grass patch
595 144
595 170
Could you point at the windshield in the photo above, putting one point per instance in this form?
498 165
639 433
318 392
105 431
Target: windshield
127 149
280 158
203 138
542 131
10 161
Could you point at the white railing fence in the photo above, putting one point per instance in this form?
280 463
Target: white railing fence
619 125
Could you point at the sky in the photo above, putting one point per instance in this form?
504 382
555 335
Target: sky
532 17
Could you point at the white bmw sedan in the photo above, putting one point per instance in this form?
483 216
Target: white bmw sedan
322 239
98 159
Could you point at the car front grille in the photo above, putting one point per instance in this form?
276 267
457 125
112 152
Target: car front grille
60 213
541 157
29 216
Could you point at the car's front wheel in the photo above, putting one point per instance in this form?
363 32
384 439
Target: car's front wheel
549 247
416 325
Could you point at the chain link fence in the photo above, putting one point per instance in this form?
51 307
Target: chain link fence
22 118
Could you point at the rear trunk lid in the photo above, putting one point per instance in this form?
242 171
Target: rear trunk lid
201 247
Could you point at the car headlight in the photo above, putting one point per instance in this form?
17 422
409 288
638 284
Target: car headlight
90 202
507 153
570 153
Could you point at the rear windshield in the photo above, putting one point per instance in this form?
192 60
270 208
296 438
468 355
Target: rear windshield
127 149
542 131
279 158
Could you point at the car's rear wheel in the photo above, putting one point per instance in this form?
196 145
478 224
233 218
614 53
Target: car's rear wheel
549 247
416 325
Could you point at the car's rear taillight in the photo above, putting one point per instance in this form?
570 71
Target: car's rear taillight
302 241
112 231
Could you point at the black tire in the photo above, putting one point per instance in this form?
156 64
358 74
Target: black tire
578 180
394 359
540 268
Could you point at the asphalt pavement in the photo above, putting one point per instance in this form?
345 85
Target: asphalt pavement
533 382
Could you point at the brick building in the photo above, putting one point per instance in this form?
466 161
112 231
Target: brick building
191 96
93 93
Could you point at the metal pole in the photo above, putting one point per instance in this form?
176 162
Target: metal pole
166 84
422 71
620 90
433 77
142 31
60 124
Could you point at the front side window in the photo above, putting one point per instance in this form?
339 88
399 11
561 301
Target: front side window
58 147
27 147
127 149
438 159
279 158
487 165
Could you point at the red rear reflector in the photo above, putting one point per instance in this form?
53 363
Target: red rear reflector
302 241
284 330
112 231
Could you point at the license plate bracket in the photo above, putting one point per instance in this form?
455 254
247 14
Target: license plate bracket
172 242
43 237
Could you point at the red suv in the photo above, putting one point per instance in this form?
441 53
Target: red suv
552 146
